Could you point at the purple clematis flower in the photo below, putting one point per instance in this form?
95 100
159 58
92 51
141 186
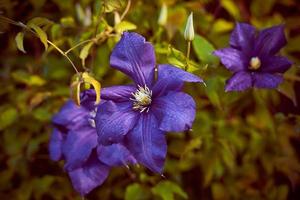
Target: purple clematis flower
252 57
140 114
74 139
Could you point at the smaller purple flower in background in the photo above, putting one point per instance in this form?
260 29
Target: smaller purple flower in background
252 57
74 139
140 114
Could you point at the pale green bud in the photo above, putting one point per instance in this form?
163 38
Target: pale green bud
163 16
189 33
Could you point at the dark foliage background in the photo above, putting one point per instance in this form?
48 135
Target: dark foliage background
243 145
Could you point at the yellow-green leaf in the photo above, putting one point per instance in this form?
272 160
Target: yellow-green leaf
167 189
85 52
41 34
125 26
97 86
75 92
67 21
19 40
112 5
204 49
231 8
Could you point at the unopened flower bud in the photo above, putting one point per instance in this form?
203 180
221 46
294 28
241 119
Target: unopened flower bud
189 33
163 16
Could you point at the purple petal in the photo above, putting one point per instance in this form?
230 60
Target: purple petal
275 64
243 37
239 81
134 57
172 78
92 174
270 40
233 59
56 144
175 111
78 146
147 143
115 155
70 116
114 120
87 99
118 93
266 80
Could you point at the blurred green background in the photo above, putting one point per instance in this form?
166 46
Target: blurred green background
243 145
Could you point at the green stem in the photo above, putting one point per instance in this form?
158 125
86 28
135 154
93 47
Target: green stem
77 45
64 54
188 55
34 33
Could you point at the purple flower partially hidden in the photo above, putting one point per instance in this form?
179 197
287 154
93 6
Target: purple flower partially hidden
252 57
140 114
74 139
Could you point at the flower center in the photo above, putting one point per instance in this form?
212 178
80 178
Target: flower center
255 63
142 98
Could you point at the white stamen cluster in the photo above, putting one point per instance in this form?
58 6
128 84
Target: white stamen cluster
91 118
142 98
255 63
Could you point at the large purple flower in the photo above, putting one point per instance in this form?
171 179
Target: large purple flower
252 57
141 113
74 139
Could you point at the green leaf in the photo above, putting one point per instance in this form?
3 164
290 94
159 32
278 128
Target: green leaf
204 50
112 5
7 117
167 189
287 89
218 191
231 8
125 26
259 9
19 40
41 34
67 22
136 192
178 59
213 91
41 22
28 79
221 26
85 52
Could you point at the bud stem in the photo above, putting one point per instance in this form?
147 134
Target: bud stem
188 55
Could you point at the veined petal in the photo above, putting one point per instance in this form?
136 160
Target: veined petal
270 40
172 78
55 145
134 57
147 143
266 80
115 155
92 174
78 146
275 64
239 81
114 120
243 37
70 115
175 111
118 93
233 59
